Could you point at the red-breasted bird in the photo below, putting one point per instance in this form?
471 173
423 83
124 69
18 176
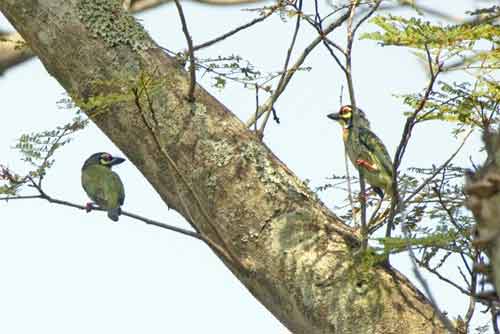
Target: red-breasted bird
102 185
366 151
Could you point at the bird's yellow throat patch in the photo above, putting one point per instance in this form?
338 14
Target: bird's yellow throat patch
345 133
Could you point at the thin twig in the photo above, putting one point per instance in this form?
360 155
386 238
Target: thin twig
371 221
378 221
472 299
318 25
285 66
354 129
405 138
272 99
44 196
438 170
406 233
236 30
349 187
410 121
444 279
364 225
494 319
49 154
450 214
192 64
256 104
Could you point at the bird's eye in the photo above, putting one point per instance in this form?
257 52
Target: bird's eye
106 157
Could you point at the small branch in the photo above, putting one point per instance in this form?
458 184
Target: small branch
494 319
444 279
472 300
377 222
364 225
438 170
410 121
285 66
49 154
45 197
272 99
367 16
349 186
292 44
450 214
405 138
348 57
446 322
236 30
192 64
350 86
256 105
371 221
318 25
162 225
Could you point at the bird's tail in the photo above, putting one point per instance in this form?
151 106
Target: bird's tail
114 213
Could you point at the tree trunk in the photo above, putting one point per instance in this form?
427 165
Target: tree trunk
483 190
284 245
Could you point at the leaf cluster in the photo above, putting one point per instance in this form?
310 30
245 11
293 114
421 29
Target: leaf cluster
37 149
464 104
419 34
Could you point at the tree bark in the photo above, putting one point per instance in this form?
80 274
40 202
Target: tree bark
13 51
483 199
294 255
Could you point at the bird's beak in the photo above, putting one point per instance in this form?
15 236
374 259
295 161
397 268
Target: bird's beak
335 116
116 161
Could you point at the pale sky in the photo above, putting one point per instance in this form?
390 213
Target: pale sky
66 271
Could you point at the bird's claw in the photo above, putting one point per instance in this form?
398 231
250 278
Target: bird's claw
89 207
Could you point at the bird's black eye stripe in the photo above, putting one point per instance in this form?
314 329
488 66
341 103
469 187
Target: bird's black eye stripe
106 157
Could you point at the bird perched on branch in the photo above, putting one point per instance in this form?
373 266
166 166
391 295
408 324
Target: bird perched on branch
102 185
365 150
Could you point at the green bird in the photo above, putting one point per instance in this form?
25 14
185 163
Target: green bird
102 185
366 151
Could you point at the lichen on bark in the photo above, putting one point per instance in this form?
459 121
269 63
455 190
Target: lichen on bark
107 20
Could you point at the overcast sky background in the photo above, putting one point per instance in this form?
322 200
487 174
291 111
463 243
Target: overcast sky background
66 271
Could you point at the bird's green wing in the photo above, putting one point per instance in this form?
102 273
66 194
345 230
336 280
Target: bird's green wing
375 149
103 186
117 184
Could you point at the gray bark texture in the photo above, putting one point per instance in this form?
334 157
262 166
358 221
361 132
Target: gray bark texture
294 255
483 191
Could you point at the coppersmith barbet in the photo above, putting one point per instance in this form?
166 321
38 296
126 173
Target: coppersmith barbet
366 151
102 185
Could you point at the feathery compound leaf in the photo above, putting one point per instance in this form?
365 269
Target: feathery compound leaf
416 33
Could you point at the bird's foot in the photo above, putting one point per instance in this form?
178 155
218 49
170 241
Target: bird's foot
89 207
369 166
362 197
370 192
